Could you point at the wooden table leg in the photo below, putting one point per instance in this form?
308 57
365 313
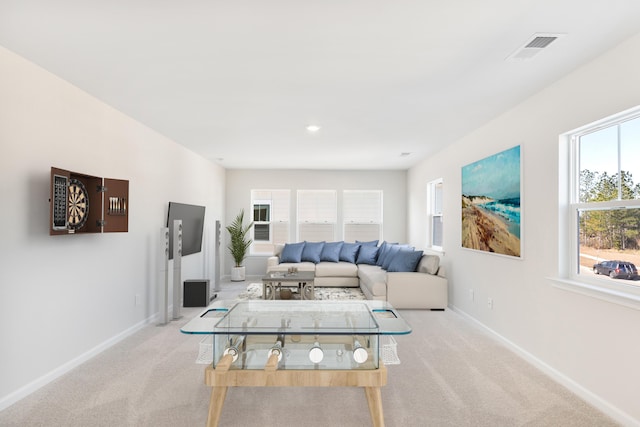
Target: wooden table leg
220 378
374 399
218 395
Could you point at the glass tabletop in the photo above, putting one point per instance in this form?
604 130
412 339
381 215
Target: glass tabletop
298 317
302 317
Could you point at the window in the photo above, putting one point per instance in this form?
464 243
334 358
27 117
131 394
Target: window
362 215
261 218
603 218
317 215
434 215
270 218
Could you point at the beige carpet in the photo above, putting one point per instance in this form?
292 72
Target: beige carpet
452 374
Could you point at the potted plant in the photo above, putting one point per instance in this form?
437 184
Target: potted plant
239 245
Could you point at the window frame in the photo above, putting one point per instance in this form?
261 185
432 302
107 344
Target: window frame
260 202
432 212
282 200
319 220
570 206
377 221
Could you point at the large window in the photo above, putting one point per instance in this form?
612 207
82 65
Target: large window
317 215
604 202
270 218
362 215
434 215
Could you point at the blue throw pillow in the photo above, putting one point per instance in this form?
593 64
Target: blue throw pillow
292 252
371 243
393 250
331 252
406 260
312 251
367 255
383 251
349 252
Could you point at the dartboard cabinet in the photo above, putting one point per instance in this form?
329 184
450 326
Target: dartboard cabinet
81 203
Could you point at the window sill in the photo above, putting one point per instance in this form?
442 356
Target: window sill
616 296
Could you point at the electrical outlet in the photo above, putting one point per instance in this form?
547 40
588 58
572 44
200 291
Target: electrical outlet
490 303
137 300
471 294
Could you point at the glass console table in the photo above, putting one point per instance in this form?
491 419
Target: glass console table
297 343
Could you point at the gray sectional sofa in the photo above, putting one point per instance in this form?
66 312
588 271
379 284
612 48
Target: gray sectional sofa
395 273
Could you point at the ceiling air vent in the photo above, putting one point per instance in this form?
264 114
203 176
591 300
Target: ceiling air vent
533 46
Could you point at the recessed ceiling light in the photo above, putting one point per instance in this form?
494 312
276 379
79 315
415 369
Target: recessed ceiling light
313 128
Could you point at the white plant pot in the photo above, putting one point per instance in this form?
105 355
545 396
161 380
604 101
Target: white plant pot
237 274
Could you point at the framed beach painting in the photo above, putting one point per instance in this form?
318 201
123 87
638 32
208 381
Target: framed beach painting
491 215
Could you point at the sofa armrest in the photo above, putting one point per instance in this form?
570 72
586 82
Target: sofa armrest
417 290
272 261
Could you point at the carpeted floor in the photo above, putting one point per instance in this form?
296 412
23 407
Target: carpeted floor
452 373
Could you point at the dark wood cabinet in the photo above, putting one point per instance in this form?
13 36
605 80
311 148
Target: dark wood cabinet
81 203
116 205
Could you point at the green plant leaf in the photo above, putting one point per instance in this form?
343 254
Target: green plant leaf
239 243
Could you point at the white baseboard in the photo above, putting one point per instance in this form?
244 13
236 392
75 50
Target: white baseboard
248 278
593 399
38 383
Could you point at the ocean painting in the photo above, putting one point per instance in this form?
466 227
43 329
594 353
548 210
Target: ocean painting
491 204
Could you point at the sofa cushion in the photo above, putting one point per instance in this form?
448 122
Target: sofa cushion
369 243
292 252
367 255
383 251
331 252
374 279
349 252
406 260
311 251
429 264
336 269
393 250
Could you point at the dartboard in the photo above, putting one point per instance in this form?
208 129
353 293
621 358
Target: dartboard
78 204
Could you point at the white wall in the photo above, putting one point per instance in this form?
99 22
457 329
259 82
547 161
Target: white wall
63 297
589 344
240 182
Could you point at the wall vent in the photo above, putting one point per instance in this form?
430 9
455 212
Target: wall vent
536 44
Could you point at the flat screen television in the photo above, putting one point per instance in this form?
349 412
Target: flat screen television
192 217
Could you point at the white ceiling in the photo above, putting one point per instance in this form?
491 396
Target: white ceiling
238 81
